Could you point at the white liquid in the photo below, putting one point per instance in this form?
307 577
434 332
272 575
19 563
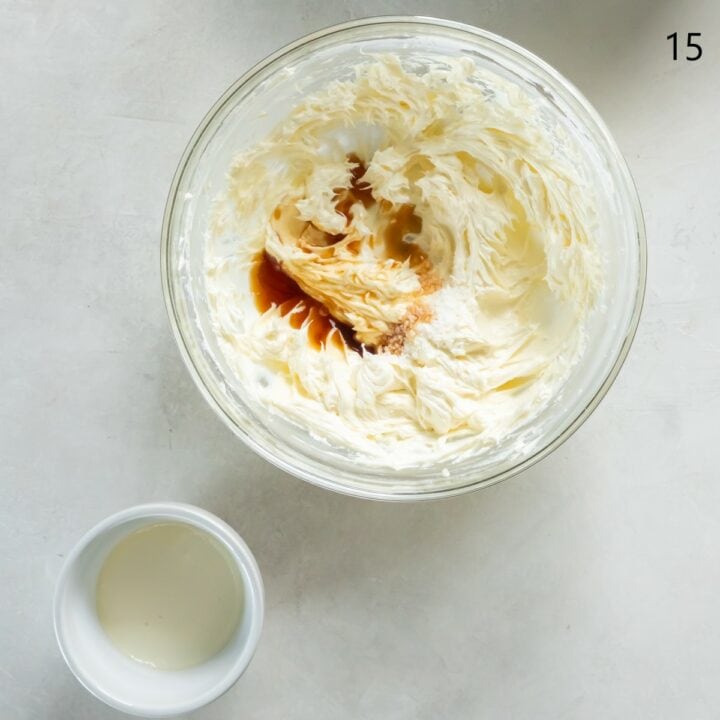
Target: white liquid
169 595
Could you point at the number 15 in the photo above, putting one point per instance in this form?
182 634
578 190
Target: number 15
690 44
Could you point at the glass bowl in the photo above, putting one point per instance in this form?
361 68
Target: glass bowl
249 110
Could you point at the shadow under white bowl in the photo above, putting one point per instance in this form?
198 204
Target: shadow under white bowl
116 679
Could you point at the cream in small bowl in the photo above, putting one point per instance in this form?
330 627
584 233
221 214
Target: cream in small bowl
158 609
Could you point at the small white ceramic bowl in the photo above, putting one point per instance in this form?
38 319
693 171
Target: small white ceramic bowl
113 677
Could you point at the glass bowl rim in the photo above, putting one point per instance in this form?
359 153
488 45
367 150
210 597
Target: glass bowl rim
614 155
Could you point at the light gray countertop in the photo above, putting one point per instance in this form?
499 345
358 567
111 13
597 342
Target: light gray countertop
587 587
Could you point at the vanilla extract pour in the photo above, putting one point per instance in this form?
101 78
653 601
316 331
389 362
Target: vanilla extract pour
272 286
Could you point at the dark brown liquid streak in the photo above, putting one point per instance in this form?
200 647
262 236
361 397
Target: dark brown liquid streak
271 286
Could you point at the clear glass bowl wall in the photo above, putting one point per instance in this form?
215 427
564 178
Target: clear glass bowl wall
247 112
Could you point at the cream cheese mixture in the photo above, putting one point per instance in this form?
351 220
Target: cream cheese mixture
404 266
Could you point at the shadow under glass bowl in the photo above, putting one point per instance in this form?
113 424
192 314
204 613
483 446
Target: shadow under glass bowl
249 110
